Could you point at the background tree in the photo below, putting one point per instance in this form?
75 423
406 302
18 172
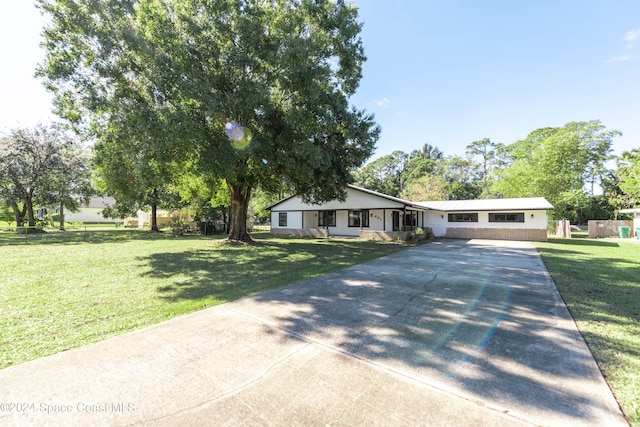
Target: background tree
554 163
384 174
403 175
36 168
71 186
6 214
282 70
135 164
421 162
488 155
628 177
427 187
461 177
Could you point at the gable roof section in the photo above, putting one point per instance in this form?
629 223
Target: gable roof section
527 203
355 196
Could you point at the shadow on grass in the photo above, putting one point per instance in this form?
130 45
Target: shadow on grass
600 283
224 272
403 314
79 236
583 242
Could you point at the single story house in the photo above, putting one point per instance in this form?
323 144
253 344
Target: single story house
370 214
92 211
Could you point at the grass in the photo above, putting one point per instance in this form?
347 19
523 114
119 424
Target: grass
61 290
69 289
599 281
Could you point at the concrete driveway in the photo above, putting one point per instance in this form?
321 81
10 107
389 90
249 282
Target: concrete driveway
450 333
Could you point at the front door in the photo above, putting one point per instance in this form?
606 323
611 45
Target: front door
395 217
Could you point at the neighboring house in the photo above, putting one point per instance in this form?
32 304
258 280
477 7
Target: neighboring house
368 214
92 212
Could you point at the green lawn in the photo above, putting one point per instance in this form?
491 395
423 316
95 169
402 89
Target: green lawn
599 281
64 290
61 290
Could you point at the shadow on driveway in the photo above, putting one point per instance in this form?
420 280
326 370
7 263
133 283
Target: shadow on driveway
480 319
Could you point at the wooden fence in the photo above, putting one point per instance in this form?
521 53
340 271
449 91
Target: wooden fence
599 228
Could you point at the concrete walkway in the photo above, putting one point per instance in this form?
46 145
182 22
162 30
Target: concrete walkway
450 333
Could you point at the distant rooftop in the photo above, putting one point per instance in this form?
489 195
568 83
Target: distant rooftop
101 202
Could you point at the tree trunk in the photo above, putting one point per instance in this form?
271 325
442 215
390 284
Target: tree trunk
154 211
154 221
61 216
19 214
28 201
238 216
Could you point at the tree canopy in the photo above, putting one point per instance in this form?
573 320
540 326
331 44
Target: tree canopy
556 163
173 74
42 166
562 164
628 174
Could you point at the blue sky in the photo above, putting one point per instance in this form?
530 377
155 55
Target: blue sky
443 72
452 72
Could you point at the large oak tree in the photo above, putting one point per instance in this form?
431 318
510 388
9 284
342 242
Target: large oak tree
284 70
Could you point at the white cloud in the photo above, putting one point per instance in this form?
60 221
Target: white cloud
631 37
619 58
384 103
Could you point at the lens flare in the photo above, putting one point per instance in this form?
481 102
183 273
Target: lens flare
234 131
240 137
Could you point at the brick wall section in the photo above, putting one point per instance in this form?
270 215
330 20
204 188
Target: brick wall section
524 234
307 232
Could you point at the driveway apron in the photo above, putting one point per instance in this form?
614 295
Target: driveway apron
453 332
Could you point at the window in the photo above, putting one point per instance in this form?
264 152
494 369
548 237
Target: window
326 218
463 217
411 219
506 217
359 218
282 219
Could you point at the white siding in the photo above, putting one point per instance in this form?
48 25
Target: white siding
381 212
355 200
294 220
87 215
439 221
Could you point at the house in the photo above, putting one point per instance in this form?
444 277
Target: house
369 214
92 211
92 214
